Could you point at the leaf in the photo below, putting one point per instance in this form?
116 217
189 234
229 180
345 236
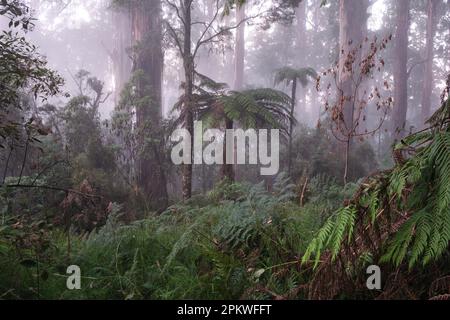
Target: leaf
258 273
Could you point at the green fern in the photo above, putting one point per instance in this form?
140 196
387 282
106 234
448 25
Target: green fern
427 232
419 188
337 229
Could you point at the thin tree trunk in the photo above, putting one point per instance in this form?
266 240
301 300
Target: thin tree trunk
428 79
291 124
239 50
120 60
400 71
239 65
227 169
347 160
188 63
300 14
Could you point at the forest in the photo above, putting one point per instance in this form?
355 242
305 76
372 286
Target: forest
225 149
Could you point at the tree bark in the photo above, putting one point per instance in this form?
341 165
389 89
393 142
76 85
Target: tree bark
400 70
188 63
428 80
239 50
291 124
120 60
227 169
300 14
147 37
239 74
352 30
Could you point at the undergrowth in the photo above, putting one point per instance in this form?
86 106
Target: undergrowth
238 241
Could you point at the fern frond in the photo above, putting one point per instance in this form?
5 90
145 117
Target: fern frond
332 235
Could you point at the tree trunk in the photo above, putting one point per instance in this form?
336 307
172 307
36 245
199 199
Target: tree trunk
120 60
147 37
227 169
352 30
239 50
291 125
400 71
300 14
188 63
347 161
428 79
239 65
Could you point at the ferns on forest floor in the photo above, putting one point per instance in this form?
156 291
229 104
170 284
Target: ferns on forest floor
222 245
396 215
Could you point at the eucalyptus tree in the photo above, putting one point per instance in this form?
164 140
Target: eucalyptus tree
239 50
400 69
432 21
147 70
352 30
291 76
189 35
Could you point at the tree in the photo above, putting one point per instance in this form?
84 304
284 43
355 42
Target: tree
254 108
429 49
291 76
22 69
24 80
180 29
400 70
239 50
352 29
301 41
81 114
148 62
122 42
343 127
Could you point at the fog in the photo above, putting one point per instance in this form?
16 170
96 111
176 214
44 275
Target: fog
81 34
224 149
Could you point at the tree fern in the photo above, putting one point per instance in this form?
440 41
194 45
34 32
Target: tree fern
288 75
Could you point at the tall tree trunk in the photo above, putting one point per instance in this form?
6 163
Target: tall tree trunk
428 79
122 41
147 37
225 72
239 74
239 50
400 70
352 30
291 124
188 63
300 14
